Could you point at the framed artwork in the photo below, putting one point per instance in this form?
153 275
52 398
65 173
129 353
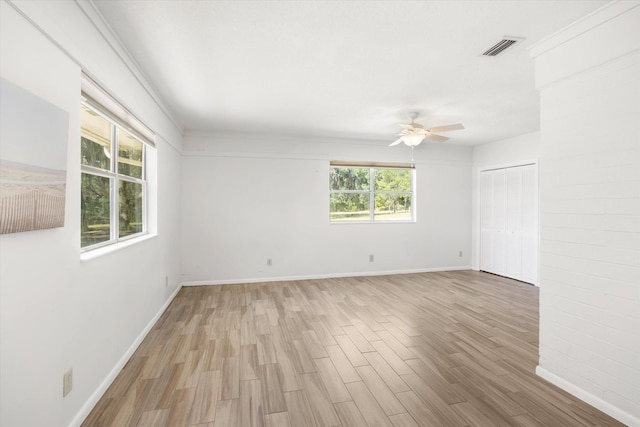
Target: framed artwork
33 161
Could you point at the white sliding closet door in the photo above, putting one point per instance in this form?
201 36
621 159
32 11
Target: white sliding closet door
487 228
529 230
509 222
514 222
499 223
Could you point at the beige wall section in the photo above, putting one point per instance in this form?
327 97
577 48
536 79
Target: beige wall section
589 81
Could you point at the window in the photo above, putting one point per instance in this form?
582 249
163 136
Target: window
114 176
371 192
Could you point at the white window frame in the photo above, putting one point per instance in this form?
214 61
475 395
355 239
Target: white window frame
120 119
371 191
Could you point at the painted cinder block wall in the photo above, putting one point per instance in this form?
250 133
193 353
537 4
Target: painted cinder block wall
588 76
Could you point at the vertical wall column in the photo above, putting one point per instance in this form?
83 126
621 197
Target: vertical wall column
588 76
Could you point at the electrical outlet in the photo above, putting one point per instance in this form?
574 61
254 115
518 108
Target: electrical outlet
166 281
67 382
371 258
269 262
460 254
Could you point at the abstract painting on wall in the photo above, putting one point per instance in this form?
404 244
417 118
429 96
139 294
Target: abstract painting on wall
33 161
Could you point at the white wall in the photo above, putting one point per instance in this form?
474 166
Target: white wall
247 198
507 152
514 151
589 79
57 312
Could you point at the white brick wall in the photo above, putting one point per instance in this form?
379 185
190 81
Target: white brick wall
590 219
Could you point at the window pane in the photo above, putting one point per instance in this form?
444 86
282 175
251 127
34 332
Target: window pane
96 140
94 203
393 206
393 179
349 178
130 208
349 207
129 155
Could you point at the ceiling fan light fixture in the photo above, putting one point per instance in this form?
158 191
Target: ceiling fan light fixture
414 133
413 139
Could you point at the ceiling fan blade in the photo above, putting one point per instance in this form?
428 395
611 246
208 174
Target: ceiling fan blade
406 126
436 138
446 128
396 142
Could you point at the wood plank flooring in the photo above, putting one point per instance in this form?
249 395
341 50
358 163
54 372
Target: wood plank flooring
432 349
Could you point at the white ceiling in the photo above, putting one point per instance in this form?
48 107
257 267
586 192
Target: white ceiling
344 69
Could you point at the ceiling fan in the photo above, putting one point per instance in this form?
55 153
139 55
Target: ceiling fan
414 133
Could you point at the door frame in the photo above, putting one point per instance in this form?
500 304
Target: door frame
476 206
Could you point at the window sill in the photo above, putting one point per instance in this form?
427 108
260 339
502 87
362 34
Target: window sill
104 250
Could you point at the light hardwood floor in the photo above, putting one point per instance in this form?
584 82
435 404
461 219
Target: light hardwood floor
432 349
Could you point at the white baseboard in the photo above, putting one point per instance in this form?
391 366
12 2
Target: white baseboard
102 388
593 400
320 276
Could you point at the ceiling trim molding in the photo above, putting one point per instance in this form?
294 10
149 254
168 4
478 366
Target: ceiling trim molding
280 137
92 13
320 157
138 76
598 17
608 34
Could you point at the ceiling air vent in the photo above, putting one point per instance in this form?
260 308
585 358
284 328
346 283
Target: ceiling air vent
502 45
